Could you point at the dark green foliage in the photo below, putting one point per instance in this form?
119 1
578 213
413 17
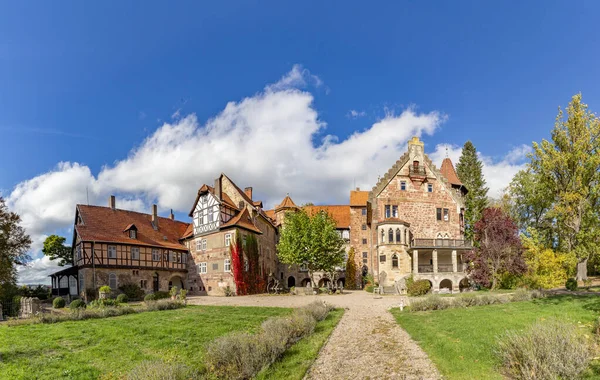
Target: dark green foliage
351 270
469 170
122 298
55 249
161 295
133 291
571 284
369 288
58 303
150 297
103 302
418 288
77 304
14 244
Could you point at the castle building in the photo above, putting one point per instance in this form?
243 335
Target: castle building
410 223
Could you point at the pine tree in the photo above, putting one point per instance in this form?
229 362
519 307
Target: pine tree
469 170
351 270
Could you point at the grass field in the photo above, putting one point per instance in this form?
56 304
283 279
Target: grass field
110 347
461 341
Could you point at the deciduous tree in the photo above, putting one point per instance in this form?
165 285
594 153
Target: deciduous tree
469 170
498 251
14 244
312 241
55 249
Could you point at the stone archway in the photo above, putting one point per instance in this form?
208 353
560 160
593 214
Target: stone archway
324 282
291 281
176 281
464 284
446 284
306 282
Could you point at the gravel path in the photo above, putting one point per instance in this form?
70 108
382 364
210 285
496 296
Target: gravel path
366 344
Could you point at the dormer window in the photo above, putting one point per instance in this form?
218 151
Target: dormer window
131 231
132 234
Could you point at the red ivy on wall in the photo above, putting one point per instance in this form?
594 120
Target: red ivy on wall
248 281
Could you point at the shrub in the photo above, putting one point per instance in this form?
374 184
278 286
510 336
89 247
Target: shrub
521 294
432 302
183 294
153 370
150 297
418 288
587 283
571 284
133 291
229 292
293 290
160 295
100 303
122 298
301 323
509 280
173 291
105 289
550 350
369 288
58 303
91 294
235 356
77 304
318 310
164 305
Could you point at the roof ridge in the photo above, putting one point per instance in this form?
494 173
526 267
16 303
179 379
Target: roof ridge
132 211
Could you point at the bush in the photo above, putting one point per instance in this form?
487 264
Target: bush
153 370
133 291
160 295
173 291
105 289
122 298
550 350
183 294
369 288
100 303
77 304
418 288
432 302
318 310
521 294
571 284
164 305
228 292
150 297
58 303
509 281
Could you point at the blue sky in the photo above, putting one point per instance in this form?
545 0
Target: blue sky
110 85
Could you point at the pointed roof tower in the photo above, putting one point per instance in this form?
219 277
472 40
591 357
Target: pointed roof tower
448 171
286 203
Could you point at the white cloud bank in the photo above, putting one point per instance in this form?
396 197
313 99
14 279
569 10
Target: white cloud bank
273 141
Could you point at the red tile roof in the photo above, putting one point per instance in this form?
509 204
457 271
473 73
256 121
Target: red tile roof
448 171
358 198
104 224
242 220
340 213
270 214
287 202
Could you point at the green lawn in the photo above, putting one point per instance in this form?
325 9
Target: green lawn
296 360
110 347
460 341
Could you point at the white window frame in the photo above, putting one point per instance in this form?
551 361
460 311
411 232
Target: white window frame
202 268
227 265
227 240
198 245
133 251
132 234
112 276
204 245
155 254
114 249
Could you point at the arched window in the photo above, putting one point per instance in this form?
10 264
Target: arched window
398 236
382 237
395 261
112 281
391 235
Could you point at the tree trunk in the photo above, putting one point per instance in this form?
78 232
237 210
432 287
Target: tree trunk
582 270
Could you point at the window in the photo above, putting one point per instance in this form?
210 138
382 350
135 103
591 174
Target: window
446 217
135 253
390 236
398 236
388 212
227 265
210 216
364 211
112 281
155 254
363 227
202 268
403 185
227 240
184 258
133 234
246 265
198 245
81 281
364 241
304 268
395 211
382 237
382 258
215 266
78 251
112 251
430 187
346 234
405 237
364 261
143 284
395 261
204 244
364 255
438 214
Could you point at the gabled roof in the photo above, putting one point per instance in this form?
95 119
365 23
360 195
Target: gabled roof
340 213
103 224
242 220
225 199
448 171
270 214
130 227
358 198
286 203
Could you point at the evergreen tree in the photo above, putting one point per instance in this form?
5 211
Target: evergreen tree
469 170
351 270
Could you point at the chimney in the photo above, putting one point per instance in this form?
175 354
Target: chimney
172 216
155 217
111 202
218 188
248 191
358 189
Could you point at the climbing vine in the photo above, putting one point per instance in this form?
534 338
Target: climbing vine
246 265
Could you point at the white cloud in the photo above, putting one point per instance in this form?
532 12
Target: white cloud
298 77
498 172
354 114
37 271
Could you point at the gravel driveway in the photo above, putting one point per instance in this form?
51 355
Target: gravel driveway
366 344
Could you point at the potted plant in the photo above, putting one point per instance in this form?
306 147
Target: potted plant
104 291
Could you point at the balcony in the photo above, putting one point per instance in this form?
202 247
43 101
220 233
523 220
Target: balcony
417 171
441 243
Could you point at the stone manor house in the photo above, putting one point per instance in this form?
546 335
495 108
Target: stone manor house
411 222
